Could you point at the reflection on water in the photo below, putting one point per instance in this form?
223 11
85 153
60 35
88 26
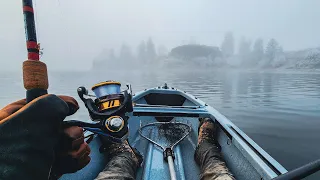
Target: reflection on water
280 111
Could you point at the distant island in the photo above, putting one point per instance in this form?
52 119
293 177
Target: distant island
253 56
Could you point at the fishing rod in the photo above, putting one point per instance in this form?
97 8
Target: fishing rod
300 172
35 76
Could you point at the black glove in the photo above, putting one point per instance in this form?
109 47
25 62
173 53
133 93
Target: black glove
72 154
30 134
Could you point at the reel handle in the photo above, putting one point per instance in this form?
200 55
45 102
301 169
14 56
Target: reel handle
81 124
99 128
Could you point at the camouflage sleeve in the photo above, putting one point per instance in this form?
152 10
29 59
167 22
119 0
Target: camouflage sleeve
120 167
212 165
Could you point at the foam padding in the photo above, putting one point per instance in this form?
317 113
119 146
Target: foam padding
35 75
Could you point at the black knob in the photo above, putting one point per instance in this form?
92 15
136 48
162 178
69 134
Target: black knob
82 91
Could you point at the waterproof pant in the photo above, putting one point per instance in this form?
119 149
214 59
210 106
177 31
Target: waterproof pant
212 165
120 167
207 156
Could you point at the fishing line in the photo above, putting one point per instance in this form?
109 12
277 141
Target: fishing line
36 19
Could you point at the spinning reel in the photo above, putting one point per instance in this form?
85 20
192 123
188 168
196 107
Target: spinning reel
107 110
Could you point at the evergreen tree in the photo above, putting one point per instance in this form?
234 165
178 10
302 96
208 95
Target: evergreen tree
257 52
271 50
227 46
274 55
141 52
125 53
245 51
150 50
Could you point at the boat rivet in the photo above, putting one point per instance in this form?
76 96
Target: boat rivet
229 141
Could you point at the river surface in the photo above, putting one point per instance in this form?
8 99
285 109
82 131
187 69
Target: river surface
278 110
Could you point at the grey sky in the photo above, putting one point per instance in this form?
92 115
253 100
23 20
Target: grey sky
73 32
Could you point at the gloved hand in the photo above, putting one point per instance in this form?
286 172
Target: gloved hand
30 134
72 154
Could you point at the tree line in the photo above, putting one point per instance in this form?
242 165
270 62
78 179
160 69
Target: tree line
145 52
252 54
244 53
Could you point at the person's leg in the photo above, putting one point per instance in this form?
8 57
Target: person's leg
208 155
123 164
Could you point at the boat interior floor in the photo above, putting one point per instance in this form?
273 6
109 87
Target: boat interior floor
154 165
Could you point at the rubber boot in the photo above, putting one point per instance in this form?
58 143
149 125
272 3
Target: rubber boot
208 155
123 162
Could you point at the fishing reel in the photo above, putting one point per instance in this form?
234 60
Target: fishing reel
108 110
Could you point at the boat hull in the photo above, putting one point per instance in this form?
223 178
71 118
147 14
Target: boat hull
243 156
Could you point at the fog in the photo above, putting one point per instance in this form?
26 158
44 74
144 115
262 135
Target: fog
74 32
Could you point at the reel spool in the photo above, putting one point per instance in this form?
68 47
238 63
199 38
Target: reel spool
108 110
108 95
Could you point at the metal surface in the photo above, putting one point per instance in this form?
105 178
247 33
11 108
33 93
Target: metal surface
173 175
114 123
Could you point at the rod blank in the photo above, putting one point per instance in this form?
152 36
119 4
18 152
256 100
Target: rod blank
301 172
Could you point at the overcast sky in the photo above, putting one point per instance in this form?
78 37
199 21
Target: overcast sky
74 32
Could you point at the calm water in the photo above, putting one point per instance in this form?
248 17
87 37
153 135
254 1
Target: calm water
280 111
